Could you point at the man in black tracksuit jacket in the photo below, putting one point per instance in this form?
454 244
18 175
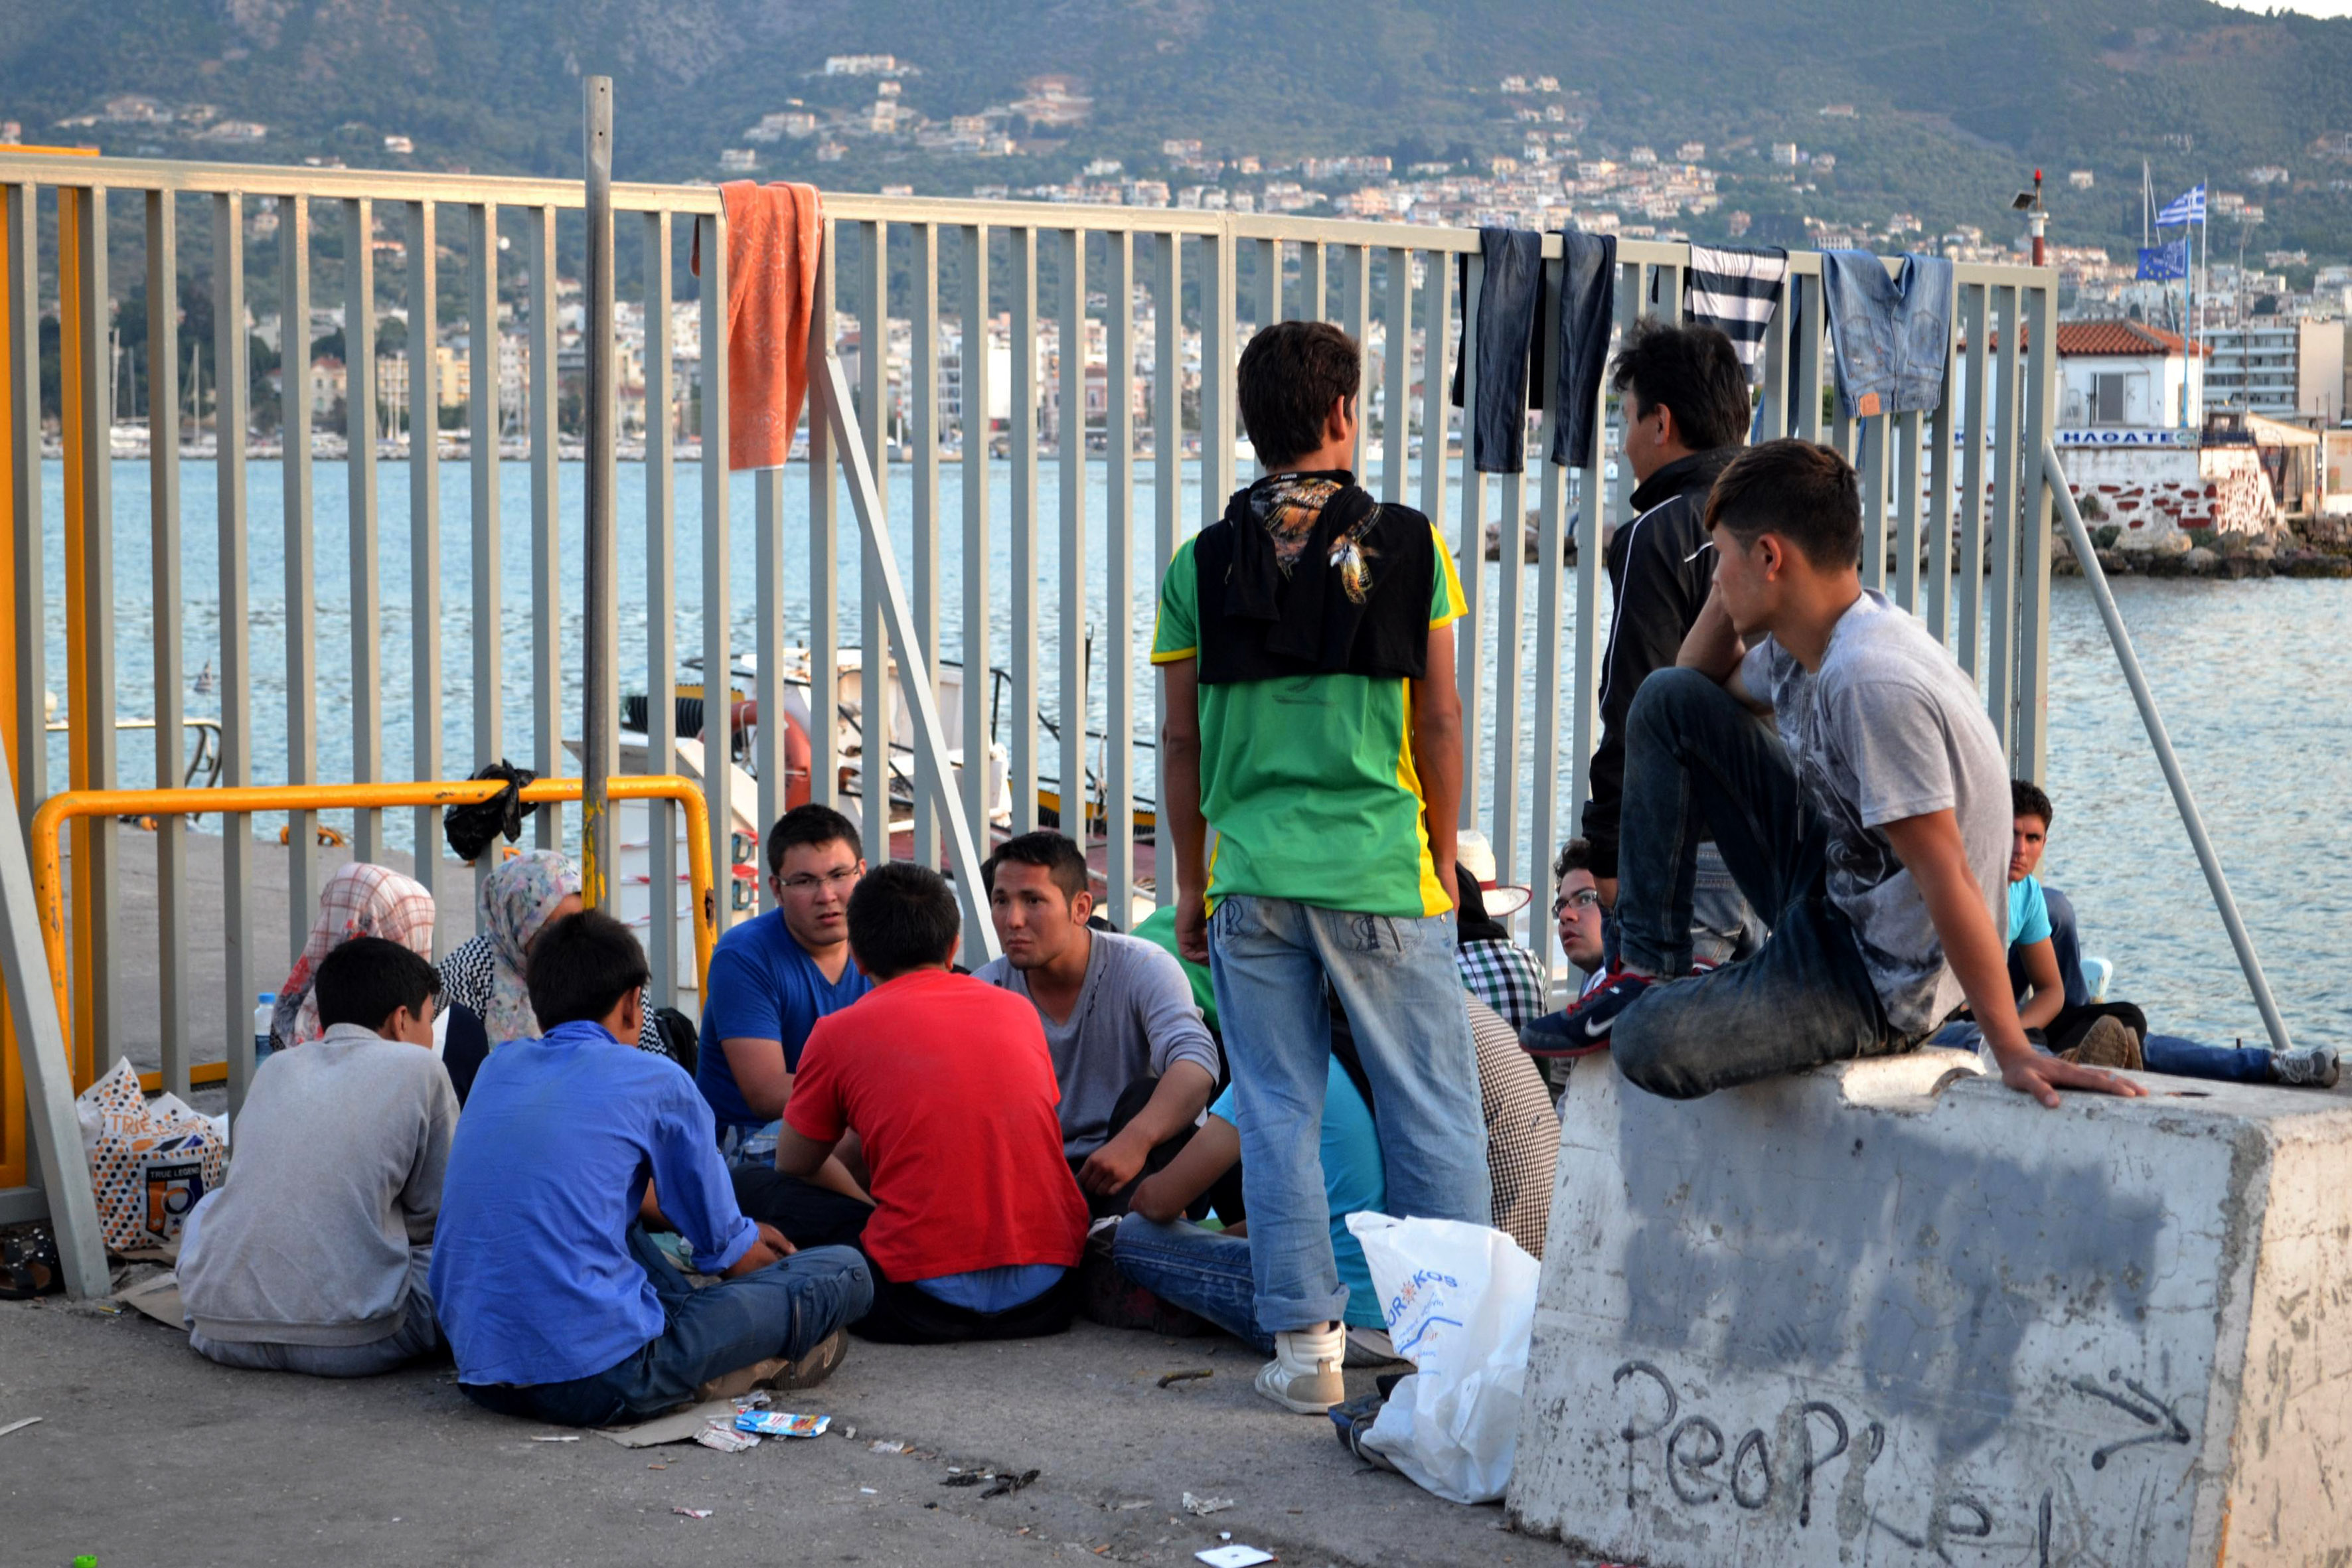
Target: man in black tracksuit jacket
1684 401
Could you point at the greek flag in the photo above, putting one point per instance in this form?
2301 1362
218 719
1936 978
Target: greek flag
2187 207
2160 262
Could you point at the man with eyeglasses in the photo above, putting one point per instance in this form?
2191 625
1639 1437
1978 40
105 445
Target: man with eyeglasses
1576 908
771 978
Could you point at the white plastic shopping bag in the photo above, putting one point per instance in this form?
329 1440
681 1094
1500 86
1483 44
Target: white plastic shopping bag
1460 1303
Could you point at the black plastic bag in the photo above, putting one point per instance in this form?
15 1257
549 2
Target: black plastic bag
470 828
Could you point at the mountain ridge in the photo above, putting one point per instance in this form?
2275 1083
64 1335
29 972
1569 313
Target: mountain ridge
1955 103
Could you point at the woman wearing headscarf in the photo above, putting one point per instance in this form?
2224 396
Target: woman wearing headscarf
358 899
364 900
520 897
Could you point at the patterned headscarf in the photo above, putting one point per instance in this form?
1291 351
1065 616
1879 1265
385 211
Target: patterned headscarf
358 899
518 896
1289 506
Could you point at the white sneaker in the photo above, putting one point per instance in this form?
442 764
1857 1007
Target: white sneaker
1304 1375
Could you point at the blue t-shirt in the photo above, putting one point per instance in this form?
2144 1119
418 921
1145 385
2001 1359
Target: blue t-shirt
2029 912
764 985
533 1278
1353 1179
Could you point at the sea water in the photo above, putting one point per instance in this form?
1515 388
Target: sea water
2244 672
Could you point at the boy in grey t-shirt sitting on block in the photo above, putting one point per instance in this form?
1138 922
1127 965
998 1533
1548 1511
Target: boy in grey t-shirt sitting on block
311 1257
1859 796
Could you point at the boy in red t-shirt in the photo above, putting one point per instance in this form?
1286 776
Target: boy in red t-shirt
947 1083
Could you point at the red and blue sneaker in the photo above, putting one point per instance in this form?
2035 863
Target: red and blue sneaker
1583 1029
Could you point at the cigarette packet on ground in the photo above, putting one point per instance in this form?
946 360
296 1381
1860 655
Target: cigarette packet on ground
782 1423
725 1441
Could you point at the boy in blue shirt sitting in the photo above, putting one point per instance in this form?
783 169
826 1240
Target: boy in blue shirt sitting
2045 968
557 1304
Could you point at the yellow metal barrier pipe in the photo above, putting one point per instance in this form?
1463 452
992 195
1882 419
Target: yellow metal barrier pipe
58 810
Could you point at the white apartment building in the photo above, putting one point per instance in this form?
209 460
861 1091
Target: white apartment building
2278 366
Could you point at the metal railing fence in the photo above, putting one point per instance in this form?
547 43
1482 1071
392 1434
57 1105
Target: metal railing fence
1151 278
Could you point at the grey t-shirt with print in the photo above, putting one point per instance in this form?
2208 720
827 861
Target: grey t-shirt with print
1134 1018
1891 727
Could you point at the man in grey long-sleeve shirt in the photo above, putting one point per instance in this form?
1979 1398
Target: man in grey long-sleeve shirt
1136 1065
313 1256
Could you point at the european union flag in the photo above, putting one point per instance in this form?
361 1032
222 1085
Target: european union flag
2160 262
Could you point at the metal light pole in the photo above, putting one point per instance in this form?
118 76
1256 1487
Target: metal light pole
601 753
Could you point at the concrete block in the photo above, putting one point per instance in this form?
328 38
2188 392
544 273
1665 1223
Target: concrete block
1893 1313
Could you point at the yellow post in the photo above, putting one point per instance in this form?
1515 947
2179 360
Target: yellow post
82 1041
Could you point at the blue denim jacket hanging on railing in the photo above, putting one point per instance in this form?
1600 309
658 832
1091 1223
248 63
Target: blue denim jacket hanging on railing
1889 334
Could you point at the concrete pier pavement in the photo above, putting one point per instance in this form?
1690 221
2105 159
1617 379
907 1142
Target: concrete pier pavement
146 1453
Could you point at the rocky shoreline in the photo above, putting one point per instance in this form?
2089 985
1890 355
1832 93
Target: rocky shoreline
2230 556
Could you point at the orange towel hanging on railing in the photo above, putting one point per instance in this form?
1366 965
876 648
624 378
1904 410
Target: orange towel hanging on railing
774 236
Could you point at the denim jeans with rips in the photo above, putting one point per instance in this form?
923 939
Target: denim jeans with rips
1269 959
785 1310
1696 757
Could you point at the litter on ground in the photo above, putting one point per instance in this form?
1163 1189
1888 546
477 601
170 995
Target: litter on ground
726 1440
1205 1506
782 1423
1010 1483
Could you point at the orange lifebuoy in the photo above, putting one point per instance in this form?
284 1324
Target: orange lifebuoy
797 755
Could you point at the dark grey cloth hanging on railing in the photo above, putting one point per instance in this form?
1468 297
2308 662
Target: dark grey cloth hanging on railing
1509 295
1588 309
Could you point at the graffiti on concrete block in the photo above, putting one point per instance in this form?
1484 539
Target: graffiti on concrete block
2142 1406
1704 1467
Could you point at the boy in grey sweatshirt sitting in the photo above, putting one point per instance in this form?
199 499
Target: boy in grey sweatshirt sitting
311 1257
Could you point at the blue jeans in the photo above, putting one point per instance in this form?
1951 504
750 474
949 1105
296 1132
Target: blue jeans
2170 1055
1268 959
2188 1058
1890 335
785 1310
1201 1270
1507 295
1695 757
1722 925
1588 309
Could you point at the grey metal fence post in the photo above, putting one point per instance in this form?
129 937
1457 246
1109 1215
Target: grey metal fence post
231 348
600 750
163 568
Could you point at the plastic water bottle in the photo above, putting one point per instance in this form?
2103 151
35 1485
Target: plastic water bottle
262 1018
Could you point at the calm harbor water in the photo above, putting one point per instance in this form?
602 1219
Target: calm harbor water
2254 704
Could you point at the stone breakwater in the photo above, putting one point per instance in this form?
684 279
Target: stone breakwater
2230 556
